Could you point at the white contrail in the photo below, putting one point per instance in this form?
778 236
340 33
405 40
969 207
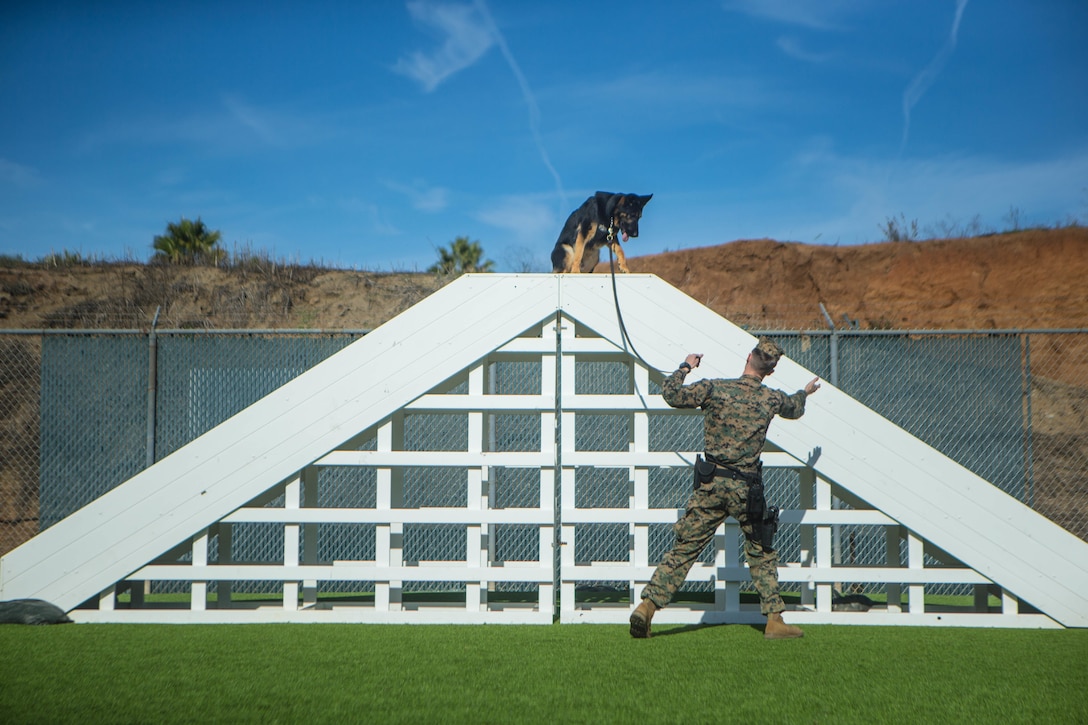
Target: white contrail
921 82
465 43
530 100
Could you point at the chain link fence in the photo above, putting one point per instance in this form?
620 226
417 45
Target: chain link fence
82 411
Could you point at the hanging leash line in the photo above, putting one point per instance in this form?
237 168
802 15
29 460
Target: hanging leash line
616 298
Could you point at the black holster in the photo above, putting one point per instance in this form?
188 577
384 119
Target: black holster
757 502
762 518
704 471
769 528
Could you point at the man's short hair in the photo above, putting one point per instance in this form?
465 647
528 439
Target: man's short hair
765 356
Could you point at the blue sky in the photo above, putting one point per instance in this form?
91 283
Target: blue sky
368 134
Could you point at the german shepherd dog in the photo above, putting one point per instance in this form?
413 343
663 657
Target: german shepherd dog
604 219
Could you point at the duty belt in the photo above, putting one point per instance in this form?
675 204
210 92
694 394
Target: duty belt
762 519
724 469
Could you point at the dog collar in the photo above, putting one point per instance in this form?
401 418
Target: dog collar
610 230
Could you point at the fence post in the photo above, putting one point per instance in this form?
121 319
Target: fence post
137 589
833 353
1029 444
152 383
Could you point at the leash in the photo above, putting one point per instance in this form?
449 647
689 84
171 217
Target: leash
616 298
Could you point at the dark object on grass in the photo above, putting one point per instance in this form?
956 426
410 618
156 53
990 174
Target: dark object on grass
851 603
31 611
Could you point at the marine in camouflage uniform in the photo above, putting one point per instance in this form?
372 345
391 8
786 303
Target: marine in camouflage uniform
737 414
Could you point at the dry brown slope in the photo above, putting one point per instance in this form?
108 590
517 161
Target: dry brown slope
267 296
1018 280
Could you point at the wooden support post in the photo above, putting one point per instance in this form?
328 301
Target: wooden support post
475 544
547 555
806 481
639 553
223 586
199 597
567 542
824 552
549 424
390 495
490 534
916 593
309 534
567 391
728 553
639 534
892 536
292 501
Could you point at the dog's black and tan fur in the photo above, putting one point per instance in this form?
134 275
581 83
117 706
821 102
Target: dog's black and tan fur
604 219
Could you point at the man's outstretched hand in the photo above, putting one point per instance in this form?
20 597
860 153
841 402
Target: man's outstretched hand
813 386
693 359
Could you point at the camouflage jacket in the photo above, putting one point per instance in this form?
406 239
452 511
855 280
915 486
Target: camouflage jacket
736 416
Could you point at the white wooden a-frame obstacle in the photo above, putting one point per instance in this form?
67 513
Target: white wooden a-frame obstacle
157 525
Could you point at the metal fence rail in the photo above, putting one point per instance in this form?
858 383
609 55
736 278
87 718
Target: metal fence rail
83 410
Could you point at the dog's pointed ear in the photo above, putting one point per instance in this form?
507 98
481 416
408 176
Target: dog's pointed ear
646 199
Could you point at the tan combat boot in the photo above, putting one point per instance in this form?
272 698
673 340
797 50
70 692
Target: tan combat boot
777 629
640 619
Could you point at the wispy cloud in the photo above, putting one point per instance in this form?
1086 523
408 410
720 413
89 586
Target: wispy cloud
522 216
469 31
922 82
855 194
466 37
422 197
527 94
378 221
824 15
236 124
18 175
658 93
249 117
792 47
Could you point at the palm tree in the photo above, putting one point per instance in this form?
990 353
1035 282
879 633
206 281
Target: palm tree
188 241
462 256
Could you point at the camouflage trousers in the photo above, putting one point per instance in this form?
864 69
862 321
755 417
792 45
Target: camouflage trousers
708 506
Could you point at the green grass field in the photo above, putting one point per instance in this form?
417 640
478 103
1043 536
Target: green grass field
562 673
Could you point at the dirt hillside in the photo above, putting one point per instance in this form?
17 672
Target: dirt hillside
1023 280
1019 280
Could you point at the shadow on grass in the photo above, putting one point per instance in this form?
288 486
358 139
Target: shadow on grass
690 628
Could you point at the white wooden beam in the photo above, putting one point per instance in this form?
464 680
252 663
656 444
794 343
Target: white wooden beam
840 447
